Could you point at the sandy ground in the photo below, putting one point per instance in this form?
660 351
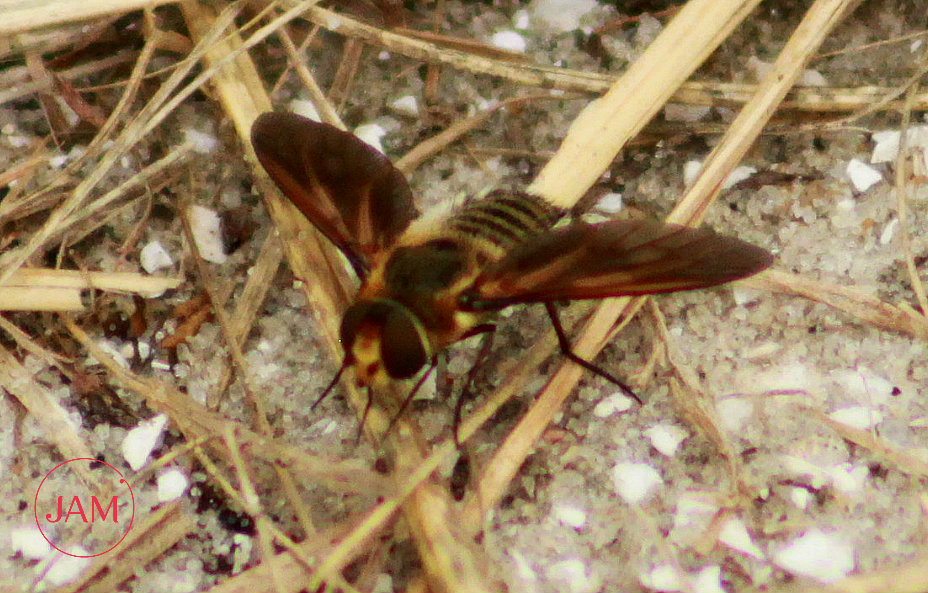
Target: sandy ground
774 364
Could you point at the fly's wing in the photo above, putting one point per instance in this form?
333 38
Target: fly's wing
615 258
347 189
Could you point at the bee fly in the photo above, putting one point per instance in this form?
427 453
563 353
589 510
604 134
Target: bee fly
428 284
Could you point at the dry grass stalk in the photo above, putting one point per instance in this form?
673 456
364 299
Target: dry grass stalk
18 381
148 539
814 99
596 137
16 17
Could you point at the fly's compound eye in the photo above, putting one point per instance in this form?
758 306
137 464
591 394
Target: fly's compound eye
402 345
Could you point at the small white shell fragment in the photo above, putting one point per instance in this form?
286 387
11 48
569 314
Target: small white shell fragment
889 231
862 175
662 577
860 417
635 482
206 228
406 105
202 142
371 134
848 478
690 171
305 108
28 541
521 19
141 440
735 535
800 497
614 404
813 78
733 412
509 40
573 574
822 556
886 143
915 45
610 203
383 56
738 175
709 580
172 484
570 515
885 146
154 257
65 569
666 438
561 15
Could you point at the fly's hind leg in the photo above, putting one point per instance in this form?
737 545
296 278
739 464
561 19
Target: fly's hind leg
567 351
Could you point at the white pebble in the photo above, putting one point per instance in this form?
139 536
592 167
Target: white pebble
141 441
666 438
862 175
709 580
371 134
154 257
733 412
305 108
848 478
406 105
65 569
203 143
800 497
812 78
735 535
610 203
691 170
29 542
570 516
572 574
172 484
822 556
635 482
206 228
561 15
662 577
520 20
614 404
860 417
508 40
885 146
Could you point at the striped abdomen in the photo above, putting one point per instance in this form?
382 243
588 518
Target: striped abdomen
503 219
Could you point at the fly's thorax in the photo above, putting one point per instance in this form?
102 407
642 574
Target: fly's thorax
383 340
